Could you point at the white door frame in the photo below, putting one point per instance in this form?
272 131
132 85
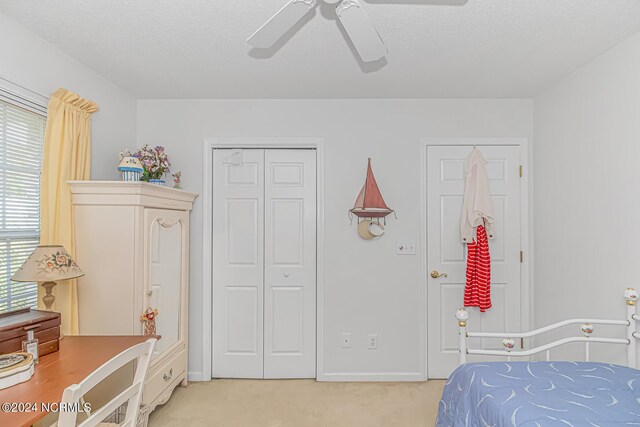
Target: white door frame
526 230
207 249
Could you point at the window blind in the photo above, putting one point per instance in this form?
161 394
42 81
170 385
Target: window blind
21 146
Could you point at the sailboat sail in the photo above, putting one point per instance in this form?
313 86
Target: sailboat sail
370 203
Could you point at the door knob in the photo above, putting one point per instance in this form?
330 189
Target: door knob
435 274
285 274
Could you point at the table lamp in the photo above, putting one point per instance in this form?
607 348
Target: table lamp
48 264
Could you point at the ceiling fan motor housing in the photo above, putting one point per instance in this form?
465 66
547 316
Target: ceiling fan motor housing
350 13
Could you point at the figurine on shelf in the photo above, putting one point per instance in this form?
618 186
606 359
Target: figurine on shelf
149 319
176 179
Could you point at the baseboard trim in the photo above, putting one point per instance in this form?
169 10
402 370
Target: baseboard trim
344 376
196 376
371 376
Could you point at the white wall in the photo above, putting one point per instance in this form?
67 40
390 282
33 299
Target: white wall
29 61
587 191
368 288
587 179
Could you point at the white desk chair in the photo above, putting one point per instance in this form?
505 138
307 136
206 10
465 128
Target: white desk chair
73 393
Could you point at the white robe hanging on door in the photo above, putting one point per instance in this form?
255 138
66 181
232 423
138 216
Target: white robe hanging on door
476 208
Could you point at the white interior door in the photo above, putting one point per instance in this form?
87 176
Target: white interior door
290 264
264 263
238 265
447 254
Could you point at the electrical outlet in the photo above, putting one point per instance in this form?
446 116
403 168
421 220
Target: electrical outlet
373 341
346 340
405 247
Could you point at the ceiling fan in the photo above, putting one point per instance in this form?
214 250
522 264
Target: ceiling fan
351 14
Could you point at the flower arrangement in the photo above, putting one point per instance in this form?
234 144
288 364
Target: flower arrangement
155 161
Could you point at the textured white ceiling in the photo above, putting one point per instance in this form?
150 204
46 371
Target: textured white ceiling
437 48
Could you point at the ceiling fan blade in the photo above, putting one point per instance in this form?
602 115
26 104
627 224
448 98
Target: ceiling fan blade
280 23
358 26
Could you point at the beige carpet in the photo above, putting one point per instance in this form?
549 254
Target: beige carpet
300 403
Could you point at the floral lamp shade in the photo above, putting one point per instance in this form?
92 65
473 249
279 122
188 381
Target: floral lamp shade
48 264
131 168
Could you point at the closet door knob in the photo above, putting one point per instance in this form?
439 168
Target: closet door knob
285 274
150 293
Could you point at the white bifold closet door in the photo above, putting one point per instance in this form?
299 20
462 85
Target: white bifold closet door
264 264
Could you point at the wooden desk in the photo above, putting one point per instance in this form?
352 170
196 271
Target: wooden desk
78 357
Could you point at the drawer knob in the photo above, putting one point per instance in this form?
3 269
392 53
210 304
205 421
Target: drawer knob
167 377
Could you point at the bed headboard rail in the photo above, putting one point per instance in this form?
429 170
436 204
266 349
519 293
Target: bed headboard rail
508 342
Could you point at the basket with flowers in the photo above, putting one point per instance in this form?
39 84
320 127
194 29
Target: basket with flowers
155 163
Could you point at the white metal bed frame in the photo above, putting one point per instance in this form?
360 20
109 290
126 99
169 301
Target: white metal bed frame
630 295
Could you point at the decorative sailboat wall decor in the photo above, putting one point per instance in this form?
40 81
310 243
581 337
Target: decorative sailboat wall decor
370 208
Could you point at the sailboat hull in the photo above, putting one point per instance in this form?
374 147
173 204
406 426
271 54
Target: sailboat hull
370 212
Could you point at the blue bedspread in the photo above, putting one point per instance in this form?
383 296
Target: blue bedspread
531 394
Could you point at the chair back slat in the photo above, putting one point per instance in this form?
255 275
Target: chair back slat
131 395
110 366
102 413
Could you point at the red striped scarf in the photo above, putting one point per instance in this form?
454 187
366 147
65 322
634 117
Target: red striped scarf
477 292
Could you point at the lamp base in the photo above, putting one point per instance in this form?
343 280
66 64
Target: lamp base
48 299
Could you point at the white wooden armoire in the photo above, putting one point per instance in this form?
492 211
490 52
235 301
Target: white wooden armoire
132 242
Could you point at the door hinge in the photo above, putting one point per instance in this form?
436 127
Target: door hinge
521 256
520 171
522 343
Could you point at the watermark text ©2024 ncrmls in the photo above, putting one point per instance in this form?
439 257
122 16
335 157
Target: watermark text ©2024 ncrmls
45 407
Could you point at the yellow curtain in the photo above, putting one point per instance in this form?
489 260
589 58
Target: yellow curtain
67 157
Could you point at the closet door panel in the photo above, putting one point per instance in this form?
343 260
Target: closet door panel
290 264
238 263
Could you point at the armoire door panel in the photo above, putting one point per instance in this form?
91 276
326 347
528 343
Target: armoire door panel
166 273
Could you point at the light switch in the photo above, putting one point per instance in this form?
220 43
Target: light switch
405 247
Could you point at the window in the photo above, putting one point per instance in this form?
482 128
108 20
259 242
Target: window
22 130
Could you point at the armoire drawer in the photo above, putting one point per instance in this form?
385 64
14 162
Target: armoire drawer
164 377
